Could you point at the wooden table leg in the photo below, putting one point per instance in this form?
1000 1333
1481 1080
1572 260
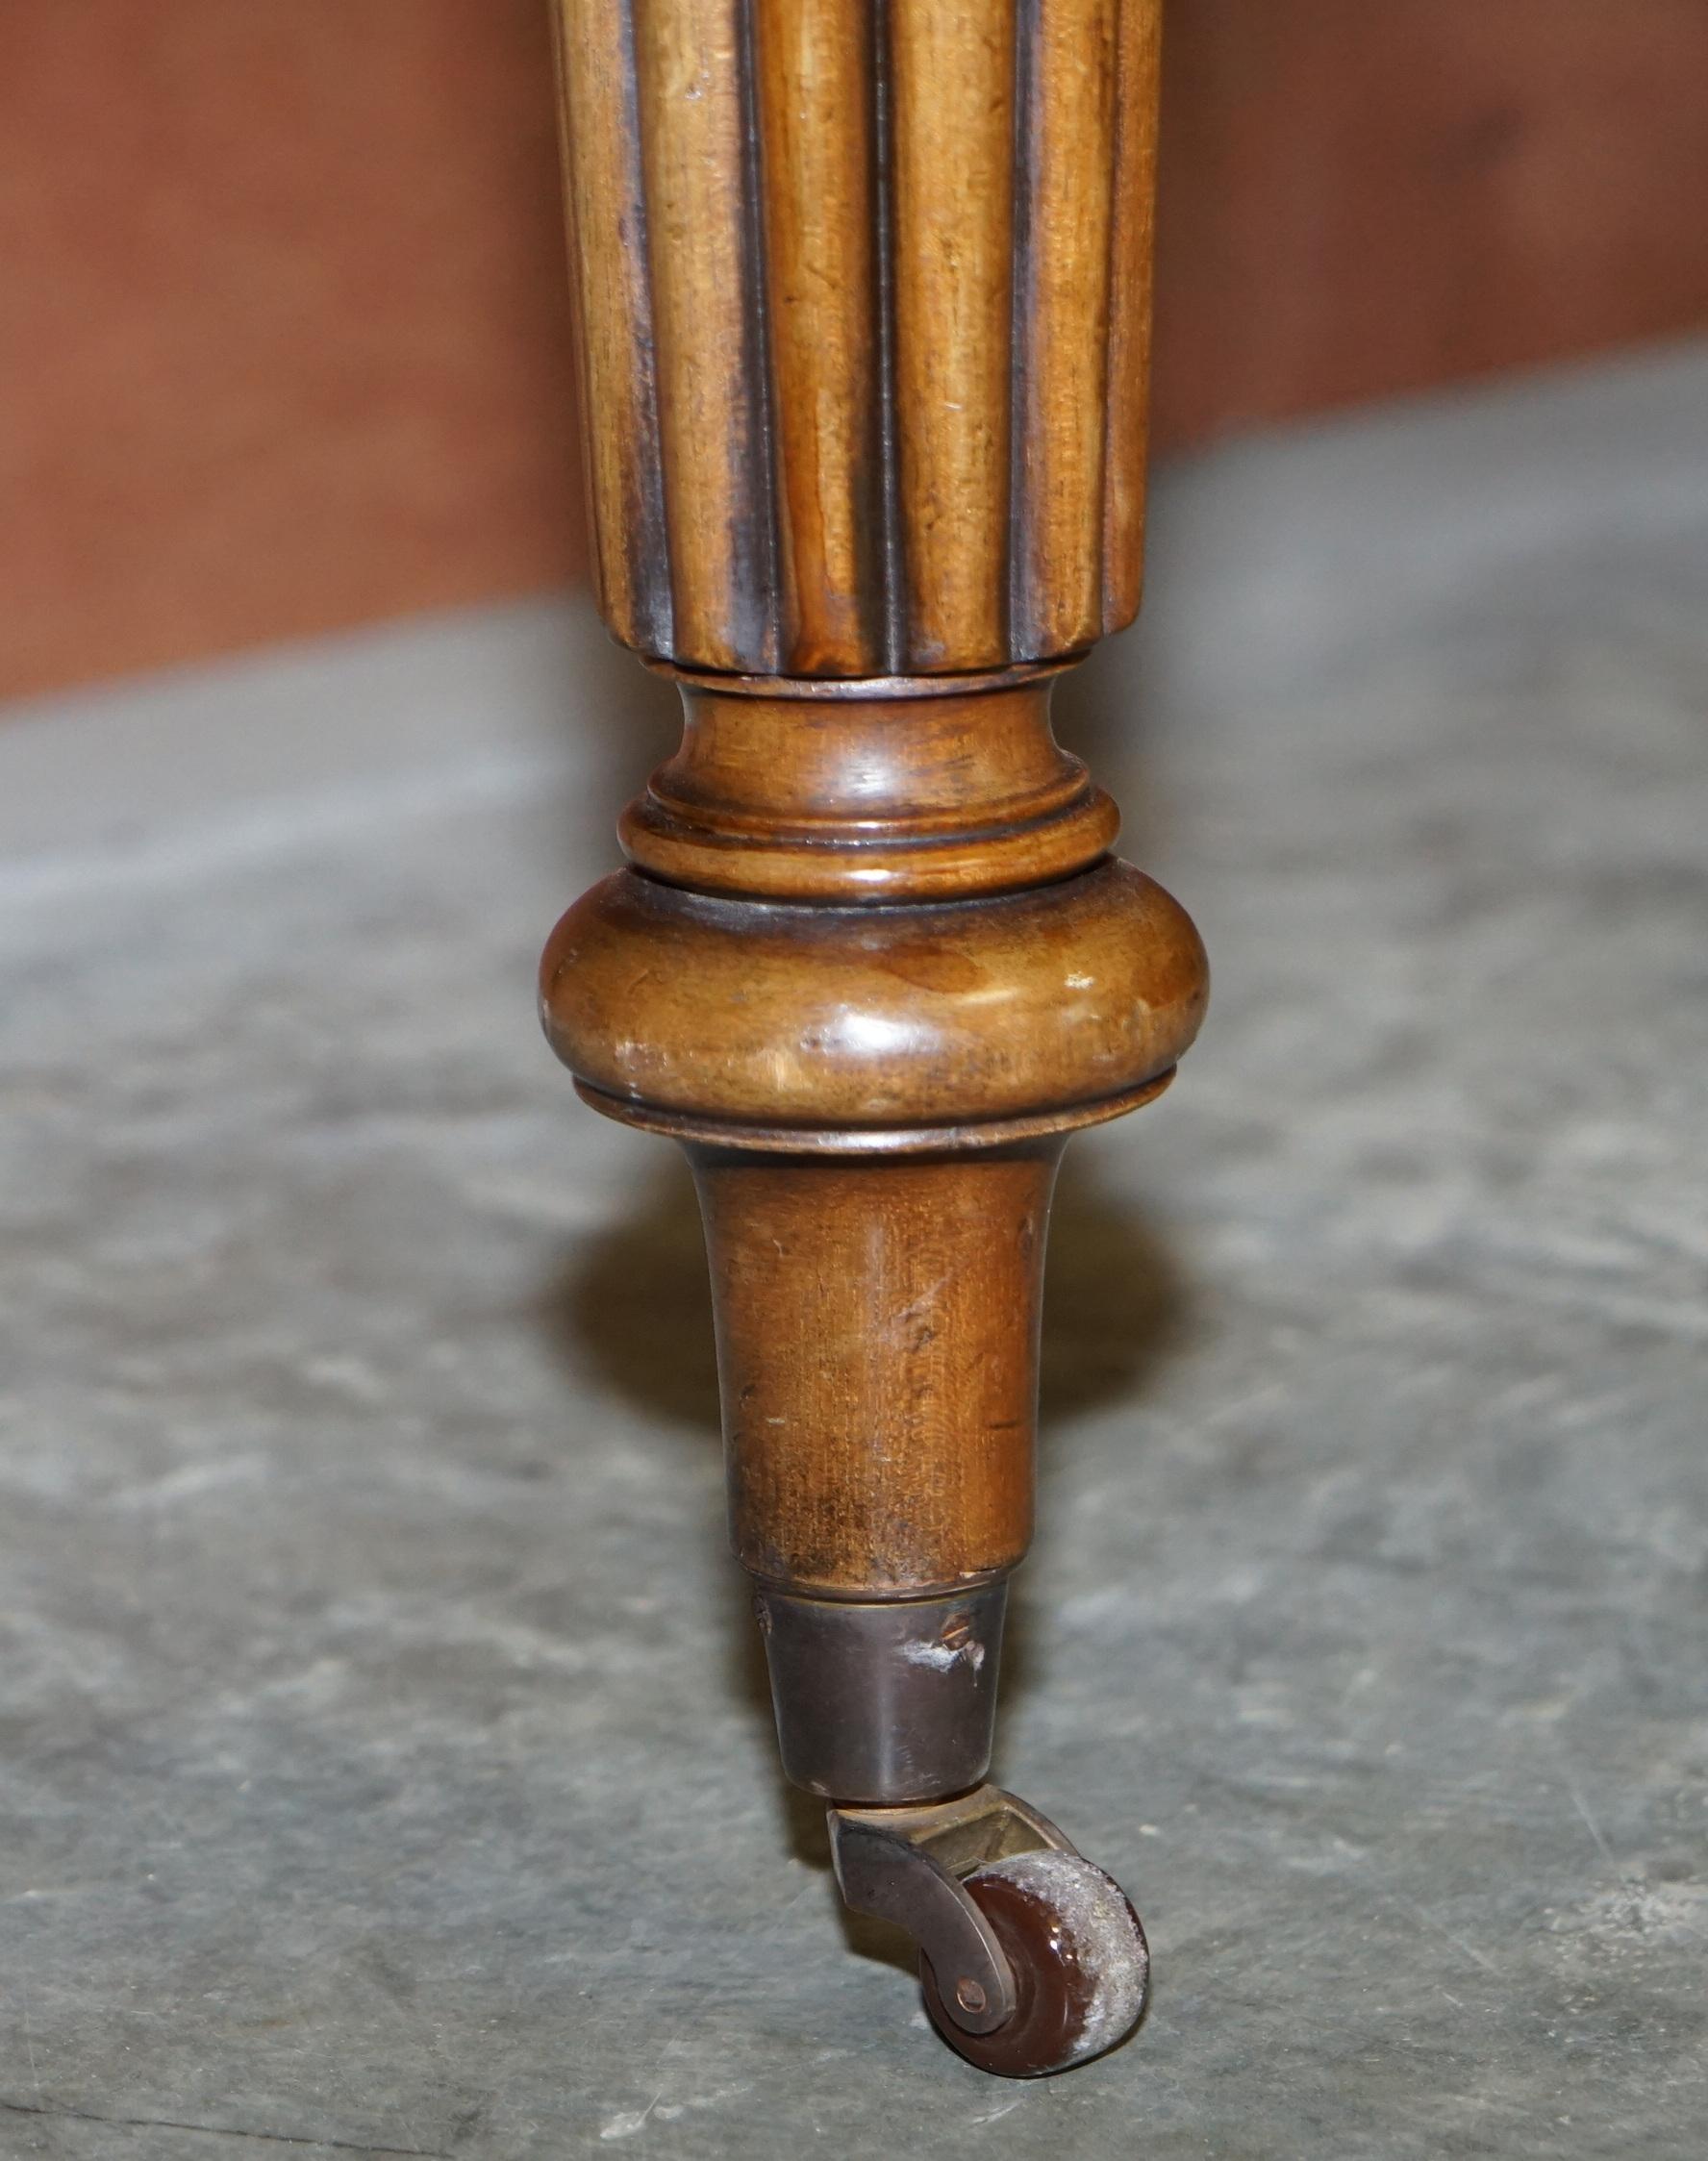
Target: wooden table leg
863 292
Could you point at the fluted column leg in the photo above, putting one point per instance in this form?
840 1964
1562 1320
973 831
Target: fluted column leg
864 304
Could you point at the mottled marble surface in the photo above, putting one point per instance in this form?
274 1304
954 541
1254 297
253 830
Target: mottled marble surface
384 1764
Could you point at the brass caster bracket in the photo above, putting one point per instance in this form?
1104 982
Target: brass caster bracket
906 1866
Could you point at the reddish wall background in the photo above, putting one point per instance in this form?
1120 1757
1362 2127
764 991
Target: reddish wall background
283 337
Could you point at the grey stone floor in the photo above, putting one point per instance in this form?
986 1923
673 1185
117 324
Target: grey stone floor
384 1768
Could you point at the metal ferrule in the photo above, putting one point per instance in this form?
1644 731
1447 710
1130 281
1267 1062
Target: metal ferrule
884 1704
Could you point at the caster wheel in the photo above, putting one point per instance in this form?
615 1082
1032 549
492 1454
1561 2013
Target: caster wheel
1081 1965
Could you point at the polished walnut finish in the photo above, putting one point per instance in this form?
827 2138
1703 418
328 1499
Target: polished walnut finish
864 303
1016 973
920 792
864 291
877 1334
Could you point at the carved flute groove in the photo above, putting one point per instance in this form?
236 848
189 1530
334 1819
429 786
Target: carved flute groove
864 296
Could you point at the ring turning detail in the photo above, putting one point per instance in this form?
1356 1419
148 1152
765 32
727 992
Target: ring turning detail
862 322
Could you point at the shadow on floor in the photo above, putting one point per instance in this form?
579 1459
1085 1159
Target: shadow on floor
635 1304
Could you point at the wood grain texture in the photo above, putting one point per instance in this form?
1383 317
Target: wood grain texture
618 377
692 59
874 1096
872 961
779 796
1133 277
1041 1003
818 64
952 63
1062 313
878 1351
